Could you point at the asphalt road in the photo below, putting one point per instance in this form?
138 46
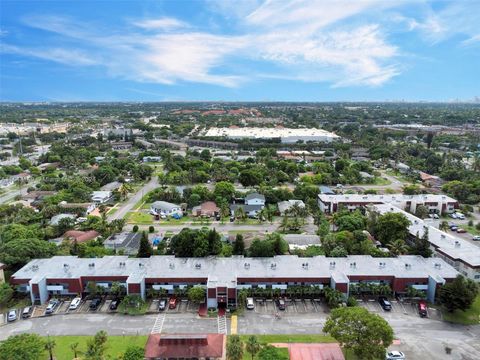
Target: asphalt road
132 200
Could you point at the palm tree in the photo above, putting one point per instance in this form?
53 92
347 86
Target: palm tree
49 346
252 345
74 348
443 226
234 348
224 211
285 222
398 247
124 189
240 214
270 213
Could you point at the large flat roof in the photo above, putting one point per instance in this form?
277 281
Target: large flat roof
268 133
387 198
450 245
227 270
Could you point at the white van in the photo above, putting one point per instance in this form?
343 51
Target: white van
250 304
460 216
75 303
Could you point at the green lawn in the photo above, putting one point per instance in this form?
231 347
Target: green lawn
381 181
471 229
116 345
112 211
469 317
140 218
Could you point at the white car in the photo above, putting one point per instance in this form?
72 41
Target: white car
74 304
453 215
250 304
394 355
476 238
460 216
12 315
52 304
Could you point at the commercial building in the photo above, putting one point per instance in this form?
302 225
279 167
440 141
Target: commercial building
285 135
224 277
459 253
439 204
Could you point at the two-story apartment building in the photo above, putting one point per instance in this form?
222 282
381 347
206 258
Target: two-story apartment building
223 278
438 204
460 253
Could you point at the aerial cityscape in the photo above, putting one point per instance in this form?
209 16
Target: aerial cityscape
239 180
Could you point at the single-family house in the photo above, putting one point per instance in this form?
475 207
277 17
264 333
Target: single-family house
81 236
430 180
126 242
165 208
251 205
101 197
55 220
285 206
208 208
326 190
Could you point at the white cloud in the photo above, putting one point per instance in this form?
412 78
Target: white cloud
60 55
164 23
303 40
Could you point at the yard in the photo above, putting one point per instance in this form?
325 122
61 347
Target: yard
304 338
139 218
469 317
116 345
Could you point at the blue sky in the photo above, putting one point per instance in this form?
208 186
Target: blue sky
286 50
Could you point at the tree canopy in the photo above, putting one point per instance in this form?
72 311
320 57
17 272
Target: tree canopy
355 328
458 294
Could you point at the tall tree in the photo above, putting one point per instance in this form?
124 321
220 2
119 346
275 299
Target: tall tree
22 347
398 247
368 335
234 348
96 346
74 348
145 250
239 245
252 345
458 294
49 346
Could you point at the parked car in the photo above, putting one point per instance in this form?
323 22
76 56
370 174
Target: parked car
232 218
172 304
52 304
114 304
218 217
460 216
476 238
422 308
461 231
27 312
453 215
95 303
394 355
281 304
453 227
250 303
12 315
384 303
75 303
162 304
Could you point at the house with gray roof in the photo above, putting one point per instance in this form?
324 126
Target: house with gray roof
165 208
252 204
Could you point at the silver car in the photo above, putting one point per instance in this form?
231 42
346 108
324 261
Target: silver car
394 355
12 315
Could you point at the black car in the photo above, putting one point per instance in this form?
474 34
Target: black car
162 304
232 218
281 304
384 303
114 304
95 303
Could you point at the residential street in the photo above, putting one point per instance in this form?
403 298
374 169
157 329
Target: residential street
132 200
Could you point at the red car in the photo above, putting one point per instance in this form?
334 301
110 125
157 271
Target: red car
461 231
172 304
422 308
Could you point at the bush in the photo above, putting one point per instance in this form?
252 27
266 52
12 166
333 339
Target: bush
351 301
135 228
151 229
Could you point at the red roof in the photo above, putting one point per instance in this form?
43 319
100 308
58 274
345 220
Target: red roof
315 352
184 346
81 236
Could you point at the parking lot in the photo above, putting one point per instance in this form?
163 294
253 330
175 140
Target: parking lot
399 309
293 306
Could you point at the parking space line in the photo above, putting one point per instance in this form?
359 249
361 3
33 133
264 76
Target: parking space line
222 324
